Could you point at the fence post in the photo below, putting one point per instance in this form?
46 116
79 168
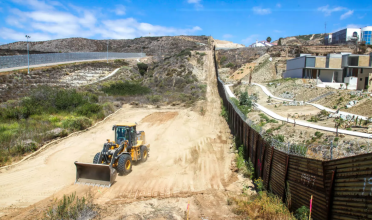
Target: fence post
263 157
270 165
247 139
285 178
330 195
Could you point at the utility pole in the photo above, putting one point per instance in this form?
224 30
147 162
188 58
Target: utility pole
107 49
28 55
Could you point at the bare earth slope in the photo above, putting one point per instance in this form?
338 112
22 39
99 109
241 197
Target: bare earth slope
189 154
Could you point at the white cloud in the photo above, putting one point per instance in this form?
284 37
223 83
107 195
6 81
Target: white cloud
347 14
39 5
196 3
227 36
278 31
250 39
131 28
10 34
278 5
120 10
51 21
261 11
328 11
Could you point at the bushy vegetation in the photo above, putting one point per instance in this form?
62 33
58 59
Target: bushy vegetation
71 207
230 65
47 113
223 59
262 206
245 167
125 88
302 213
224 112
185 52
142 67
265 119
243 108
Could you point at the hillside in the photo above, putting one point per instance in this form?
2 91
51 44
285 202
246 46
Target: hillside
149 45
310 39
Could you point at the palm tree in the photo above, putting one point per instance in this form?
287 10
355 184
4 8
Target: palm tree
268 39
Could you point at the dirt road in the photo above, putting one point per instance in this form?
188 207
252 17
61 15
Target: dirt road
189 152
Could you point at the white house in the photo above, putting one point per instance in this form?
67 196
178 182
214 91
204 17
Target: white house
346 35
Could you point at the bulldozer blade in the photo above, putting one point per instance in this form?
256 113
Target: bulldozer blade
95 174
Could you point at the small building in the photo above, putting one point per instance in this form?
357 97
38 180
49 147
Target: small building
328 39
346 35
327 69
366 35
353 71
360 67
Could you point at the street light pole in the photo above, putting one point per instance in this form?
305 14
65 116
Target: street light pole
28 55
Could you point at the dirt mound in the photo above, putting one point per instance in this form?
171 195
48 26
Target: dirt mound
159 117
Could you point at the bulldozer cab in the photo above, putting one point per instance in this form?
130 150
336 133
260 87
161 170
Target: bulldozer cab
125 133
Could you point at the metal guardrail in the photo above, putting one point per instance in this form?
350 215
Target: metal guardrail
38 59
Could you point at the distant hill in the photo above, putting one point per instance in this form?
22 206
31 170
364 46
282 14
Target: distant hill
310 39
149 45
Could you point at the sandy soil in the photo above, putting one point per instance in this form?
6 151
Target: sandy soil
365 107
189 156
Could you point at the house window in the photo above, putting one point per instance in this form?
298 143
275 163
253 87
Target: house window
361 70
361 79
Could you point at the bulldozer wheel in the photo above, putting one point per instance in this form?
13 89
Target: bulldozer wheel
144 153
124 164
95 159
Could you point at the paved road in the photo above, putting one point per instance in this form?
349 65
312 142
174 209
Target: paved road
298 122
52 64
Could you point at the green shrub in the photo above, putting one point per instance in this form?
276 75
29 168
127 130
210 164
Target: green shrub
279 137
318 134
224 112
259 184
125 88
223 59
267 119
89 109
230 65
245 100
154 98
76 124
243 108
71 207
185 52
302 213
142 67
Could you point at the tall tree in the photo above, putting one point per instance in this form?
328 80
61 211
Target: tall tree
268 39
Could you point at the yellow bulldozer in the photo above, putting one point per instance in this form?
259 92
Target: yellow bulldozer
116 157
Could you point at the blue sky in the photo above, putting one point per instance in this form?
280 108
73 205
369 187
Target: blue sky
238 21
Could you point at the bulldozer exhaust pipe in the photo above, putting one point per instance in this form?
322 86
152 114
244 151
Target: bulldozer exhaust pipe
95 174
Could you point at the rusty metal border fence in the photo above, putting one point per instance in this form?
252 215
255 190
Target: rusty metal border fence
341 189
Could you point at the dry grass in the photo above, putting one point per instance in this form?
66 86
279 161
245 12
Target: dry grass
261 206
71 207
